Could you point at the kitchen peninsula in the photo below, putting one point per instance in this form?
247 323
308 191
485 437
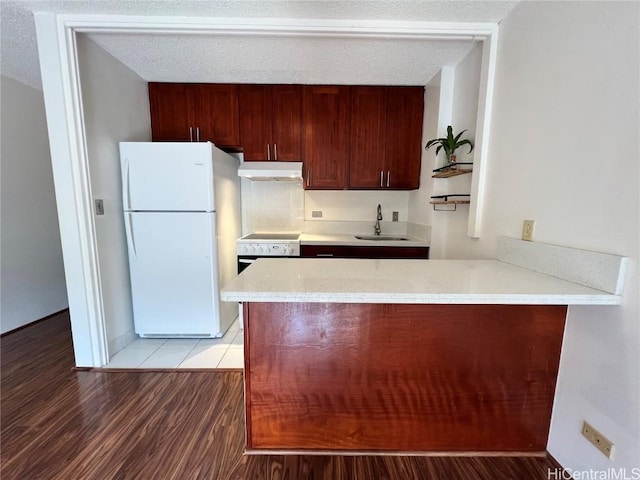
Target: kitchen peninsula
357 355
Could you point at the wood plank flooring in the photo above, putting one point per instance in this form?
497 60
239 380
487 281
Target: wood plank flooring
57 423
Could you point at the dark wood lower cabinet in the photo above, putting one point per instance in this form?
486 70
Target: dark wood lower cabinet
400 378
348 251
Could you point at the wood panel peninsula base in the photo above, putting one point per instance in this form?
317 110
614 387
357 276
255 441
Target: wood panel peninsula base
384 378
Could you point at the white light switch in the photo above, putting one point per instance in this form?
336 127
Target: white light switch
99 206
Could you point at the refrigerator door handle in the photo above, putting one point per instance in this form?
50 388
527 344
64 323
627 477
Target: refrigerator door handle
127 187
128 227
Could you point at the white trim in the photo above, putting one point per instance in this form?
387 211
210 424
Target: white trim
56 45
483 127
445 108
61 86
97 327
273 26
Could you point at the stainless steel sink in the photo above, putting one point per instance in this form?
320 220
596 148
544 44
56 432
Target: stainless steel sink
383 238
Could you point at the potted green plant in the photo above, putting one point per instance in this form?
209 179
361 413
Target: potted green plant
449 144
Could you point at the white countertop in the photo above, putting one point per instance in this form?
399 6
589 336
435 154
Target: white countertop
352 241
405 281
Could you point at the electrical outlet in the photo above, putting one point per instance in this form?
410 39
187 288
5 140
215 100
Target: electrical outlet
527 230
601 442
99 206
395 216
316 214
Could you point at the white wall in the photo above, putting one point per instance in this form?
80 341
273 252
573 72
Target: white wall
464 111
32 278
420 210
564 151
116 109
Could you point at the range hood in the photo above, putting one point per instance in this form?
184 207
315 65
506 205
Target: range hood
271 171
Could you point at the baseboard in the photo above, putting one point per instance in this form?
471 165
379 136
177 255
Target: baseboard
121 342
393 453
30 324
163 370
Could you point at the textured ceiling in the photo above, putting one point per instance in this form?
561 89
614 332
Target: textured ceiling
282 60
257 59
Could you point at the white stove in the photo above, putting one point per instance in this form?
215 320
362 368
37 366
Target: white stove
258 245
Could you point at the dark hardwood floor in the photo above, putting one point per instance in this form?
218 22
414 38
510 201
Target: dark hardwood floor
58 423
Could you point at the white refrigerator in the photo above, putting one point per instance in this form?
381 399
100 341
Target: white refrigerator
182 219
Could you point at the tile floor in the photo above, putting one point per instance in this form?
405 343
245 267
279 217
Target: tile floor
225 352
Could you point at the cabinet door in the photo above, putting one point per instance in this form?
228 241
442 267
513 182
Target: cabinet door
286 121
353 251
219 114
326 136
368 127
254 109
173 111
404 136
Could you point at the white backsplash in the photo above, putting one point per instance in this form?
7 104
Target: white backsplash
355 205
285 206
353 227
415 230
272 206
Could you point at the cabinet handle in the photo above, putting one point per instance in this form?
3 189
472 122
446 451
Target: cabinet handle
324 255
275 151
308 175
197 134
388 177
191 134
381 177
268 151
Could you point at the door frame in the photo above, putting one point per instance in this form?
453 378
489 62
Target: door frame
57 47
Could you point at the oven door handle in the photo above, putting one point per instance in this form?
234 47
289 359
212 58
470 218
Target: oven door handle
246 260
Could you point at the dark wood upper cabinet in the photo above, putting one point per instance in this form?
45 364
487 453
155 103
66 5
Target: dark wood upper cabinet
326 136
219 114
368 130
173 111
286 122
356 137
194 112
271 122
403 141
386 137
254 107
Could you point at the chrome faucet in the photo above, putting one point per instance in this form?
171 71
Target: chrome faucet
376 228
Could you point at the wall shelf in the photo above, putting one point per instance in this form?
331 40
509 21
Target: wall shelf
452 170
454 199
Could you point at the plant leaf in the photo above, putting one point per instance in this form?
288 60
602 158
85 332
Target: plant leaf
435 141
465 142
459 135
